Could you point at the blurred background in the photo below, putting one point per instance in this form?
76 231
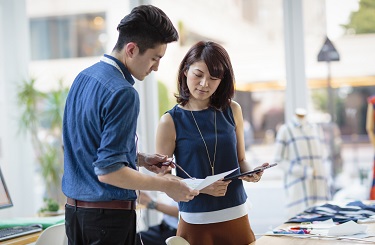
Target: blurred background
274 46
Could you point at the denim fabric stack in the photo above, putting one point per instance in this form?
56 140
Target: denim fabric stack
354 211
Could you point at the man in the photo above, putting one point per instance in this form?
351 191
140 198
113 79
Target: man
99 133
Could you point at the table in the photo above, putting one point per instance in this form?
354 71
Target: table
27 239
23 240
46 222
287 240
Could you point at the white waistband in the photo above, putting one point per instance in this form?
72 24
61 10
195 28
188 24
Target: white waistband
215 216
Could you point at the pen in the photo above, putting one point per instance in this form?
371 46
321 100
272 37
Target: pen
181 168
160 164
282 231
300 228
304 228
170 162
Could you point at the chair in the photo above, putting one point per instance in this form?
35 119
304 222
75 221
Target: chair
176 240
53 235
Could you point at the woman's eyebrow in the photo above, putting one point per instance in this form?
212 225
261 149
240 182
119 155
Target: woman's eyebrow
197 69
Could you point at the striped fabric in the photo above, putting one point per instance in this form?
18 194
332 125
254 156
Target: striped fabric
372 189
354 211
300 152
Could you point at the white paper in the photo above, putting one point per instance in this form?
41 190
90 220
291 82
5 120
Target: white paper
199 184
347 229
329 228
193 183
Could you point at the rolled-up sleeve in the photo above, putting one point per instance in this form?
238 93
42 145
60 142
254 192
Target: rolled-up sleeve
119 121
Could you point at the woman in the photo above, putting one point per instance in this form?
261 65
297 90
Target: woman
204 132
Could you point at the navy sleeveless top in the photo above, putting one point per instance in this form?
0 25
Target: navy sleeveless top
190 153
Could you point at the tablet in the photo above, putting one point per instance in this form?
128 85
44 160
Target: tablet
249 172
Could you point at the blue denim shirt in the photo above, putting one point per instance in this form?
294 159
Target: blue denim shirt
99 130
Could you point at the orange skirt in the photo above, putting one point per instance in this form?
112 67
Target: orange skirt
233 232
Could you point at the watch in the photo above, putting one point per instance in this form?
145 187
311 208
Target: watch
152 205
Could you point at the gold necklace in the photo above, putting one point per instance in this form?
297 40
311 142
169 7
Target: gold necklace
212 164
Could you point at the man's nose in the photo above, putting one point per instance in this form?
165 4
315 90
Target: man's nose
155 67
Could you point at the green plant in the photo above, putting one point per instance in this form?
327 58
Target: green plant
362 20
50 205
41 117
165 102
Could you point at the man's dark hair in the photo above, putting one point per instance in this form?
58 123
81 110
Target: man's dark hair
147 26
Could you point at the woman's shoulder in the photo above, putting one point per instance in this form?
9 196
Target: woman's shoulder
170 114
166 121
236 108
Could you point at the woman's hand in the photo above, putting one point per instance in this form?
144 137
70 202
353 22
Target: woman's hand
217 189
254 177
144 198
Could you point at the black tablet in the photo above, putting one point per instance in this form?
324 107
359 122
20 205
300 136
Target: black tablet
249 172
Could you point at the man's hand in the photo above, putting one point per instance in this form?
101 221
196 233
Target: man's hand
156 163
179 191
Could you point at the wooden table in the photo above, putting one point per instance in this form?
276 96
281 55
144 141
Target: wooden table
31 238
287 240
22 240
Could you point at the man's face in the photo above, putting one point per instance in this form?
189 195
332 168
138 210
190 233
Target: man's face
140 65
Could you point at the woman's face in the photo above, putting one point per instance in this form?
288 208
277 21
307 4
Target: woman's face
199 81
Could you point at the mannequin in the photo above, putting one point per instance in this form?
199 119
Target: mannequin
300 152
370 131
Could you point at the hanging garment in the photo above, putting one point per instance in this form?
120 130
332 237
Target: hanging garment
300 152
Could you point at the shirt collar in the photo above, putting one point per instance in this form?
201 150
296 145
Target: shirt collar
123 68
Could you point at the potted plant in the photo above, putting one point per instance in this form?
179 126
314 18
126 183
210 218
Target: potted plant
41 117
50 208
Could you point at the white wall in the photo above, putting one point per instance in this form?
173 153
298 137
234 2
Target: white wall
16 158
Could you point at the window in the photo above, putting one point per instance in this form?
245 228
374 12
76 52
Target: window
71 36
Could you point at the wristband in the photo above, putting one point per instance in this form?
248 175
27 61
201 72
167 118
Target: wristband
152 205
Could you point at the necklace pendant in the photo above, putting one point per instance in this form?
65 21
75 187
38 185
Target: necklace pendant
212 164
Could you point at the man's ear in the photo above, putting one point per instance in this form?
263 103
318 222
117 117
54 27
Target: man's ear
131 49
